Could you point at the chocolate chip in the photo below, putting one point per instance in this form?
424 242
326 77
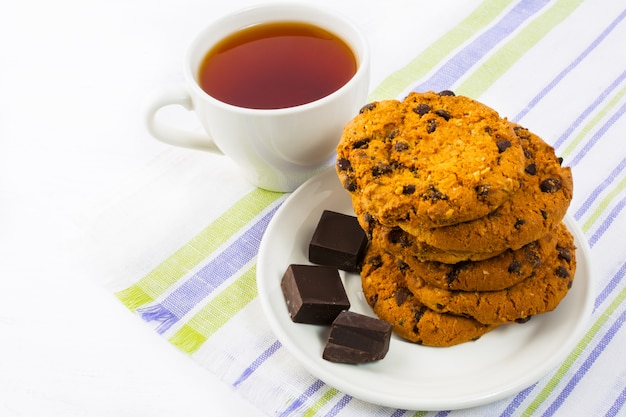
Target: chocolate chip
528 154
446 93
402 266
515 267
560 160
393 134
419 314
487 129
401 295
550 185
455 270
442 113
375 261
344 165
531 169
439 306
367 107
523 320
434 194
400 146
561 272
564 254
544 214
519 223
482 191
421 109
408 189
431 126
503 145
350 185
373 300
361 144
398 236
381 169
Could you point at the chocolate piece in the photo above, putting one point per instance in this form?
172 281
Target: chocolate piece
356 338
314 293
338 241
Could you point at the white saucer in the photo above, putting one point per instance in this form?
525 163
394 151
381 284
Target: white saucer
499 364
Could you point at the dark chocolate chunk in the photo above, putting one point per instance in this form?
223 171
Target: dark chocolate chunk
561 272
564 254
519 223
446 93
531 169
434 194
344 165
401 295
402 265
432 126
550 185
338 241
350 184
442 113
375 261
393 134
314 293
397 236
356 338
361 143
503 145
408 189
515 267
421 109
367 107
401 146
455 270
482 191
381 169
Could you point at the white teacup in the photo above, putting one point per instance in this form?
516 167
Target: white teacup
276 149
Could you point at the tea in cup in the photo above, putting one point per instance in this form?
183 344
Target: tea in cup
273 87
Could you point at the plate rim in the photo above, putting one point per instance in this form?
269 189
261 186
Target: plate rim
416 403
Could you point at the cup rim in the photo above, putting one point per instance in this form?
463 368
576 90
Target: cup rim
359 46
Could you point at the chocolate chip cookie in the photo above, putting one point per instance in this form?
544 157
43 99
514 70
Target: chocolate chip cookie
396 240
538 206
492 274
384 280
539 293
429 161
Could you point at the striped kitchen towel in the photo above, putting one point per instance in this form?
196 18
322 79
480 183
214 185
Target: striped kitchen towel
557 67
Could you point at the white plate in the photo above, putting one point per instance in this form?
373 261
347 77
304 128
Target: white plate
501 363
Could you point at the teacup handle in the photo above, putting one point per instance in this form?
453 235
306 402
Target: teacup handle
175 95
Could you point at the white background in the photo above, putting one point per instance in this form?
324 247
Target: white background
73 77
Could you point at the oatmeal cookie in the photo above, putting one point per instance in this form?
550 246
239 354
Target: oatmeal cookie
492 274
397 241
538 206
384 285
540 293
430 160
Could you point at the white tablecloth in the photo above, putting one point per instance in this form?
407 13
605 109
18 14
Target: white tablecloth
92 208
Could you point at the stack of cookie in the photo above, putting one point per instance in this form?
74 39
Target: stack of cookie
464 213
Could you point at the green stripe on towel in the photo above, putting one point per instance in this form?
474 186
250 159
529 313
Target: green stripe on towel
593 122
580 348
502 60
216 312
191 254
393 85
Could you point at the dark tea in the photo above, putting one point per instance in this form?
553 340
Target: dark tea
276 65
